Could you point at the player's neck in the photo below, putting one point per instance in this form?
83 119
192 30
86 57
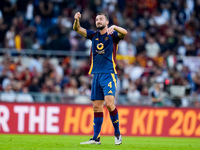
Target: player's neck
103 31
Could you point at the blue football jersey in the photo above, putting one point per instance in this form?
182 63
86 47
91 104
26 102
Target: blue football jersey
103 52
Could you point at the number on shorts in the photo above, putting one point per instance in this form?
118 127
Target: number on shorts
110 84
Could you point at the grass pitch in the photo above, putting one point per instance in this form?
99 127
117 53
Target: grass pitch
55 142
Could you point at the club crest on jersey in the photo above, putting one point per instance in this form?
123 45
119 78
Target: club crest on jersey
100 47
106 38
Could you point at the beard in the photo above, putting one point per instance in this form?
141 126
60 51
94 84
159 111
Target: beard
101 27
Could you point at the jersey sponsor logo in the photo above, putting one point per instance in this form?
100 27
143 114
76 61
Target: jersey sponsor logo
100 47
110 92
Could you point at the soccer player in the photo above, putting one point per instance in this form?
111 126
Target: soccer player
103 62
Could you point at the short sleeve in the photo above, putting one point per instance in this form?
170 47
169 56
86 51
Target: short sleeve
90 34
115 37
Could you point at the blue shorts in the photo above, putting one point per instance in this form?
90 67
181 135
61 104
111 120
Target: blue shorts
103 84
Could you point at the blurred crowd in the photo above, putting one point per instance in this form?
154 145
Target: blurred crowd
160 34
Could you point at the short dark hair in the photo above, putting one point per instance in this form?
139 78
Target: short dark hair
105 14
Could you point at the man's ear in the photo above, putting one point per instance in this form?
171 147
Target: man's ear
107 22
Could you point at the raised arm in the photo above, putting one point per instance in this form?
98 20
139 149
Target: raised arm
76 25
121 31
